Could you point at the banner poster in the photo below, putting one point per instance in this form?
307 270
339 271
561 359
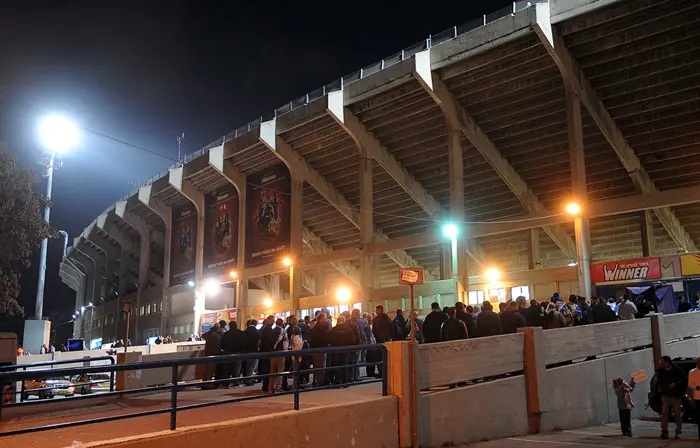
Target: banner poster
221 230
623 271
690 264
210 318
268 215
184 241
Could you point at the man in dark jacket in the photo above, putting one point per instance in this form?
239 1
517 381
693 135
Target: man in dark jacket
399 332
381 328
586 312
468 319
432 324
342 335
252 335
534 316
671 383
453 328
268 339
212 347
233 342
601 312
305 336
354 358
320 338
488 323
511 319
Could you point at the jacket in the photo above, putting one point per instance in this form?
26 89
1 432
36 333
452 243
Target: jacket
356 336
453 329
468 320
252 339
212 344
234 341
534 316
362 328
382 328
554 319
488 324
320 335
587 314
673 376
432 326
511 321
602 313
268 338
624 397
399 332
342 335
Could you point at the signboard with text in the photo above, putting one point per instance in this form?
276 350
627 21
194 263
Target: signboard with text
210 318
411 276
221 230
622 271
268 217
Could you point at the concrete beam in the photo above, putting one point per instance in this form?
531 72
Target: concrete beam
318 246
296 163
574 76
460 119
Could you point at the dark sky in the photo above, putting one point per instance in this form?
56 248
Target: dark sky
146 71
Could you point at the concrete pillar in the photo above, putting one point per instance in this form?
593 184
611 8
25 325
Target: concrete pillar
658 336
144 264
123 272
320 279
647 226
241 285
458 247
368 263
533 255
295 250
535 381
167 298
578 185
403 385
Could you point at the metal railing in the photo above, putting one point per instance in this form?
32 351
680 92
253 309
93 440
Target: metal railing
24 367
7 378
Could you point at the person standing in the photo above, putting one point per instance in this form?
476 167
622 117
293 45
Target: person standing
233 342
462 314
671 383
488 323
320 338
372 355
268 339
212 347
511 319
623 392
432 324
277 364
252 335
381 329
398 331
627 309
534 315
694 386
453 329
341 336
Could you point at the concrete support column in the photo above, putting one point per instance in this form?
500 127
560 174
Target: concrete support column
534 372
658 336
647 226
123 272
368 263
578 185
320 279
167 298
403 385
144 264
295 250
533 255
460 276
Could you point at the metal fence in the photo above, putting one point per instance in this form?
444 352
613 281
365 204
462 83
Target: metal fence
8 378
407 53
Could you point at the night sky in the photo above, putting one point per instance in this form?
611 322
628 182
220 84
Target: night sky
144 72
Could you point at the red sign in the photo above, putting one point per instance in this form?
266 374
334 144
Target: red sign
621 271
410 276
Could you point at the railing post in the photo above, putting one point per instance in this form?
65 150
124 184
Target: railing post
385 372
111 376
295 368
2 395
22 388
173 401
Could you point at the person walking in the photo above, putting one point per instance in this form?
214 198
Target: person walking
432 324
694 386
671 383
623 392
488 322
627 309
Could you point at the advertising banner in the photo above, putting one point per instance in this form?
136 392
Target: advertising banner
622 271
184 242
221 230
210 318
690 264
268 215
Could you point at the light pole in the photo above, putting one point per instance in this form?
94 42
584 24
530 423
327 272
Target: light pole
58 135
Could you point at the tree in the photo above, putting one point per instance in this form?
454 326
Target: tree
22 227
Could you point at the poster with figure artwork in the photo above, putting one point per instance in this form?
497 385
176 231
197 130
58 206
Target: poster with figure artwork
221 231
184 242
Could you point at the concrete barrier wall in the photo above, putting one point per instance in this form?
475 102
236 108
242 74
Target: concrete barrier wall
371 423
154 377
470 414
682 325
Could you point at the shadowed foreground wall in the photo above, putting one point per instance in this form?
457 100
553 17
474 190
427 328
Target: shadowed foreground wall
372 423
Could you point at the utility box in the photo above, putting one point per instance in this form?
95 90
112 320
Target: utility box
8 356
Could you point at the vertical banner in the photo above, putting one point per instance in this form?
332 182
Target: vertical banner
221 230
690 264
184 241
268 229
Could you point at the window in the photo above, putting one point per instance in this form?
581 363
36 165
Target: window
155 307
476 297
358 306
520 291
143 310
343 308
148 309
188 328
497 294
160 306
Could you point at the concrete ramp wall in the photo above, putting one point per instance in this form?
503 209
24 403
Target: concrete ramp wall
372 423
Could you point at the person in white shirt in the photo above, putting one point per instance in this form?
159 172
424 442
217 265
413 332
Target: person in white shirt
627 308
694 386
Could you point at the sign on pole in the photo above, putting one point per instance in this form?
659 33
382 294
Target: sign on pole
410 276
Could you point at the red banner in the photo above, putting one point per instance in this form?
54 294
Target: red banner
621 271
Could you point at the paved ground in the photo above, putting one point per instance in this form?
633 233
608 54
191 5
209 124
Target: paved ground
646 435
142 425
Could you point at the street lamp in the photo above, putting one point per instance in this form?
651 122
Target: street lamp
573 208
343 294
450 231
58 135
492 274
212 287
287 261
267 302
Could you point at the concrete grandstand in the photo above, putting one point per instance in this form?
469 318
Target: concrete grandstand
494 125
